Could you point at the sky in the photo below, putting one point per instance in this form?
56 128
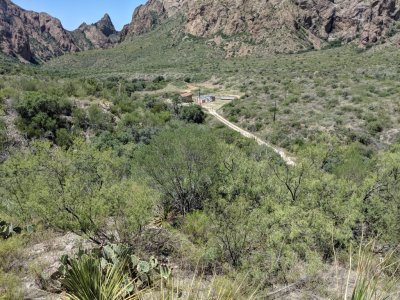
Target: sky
73 13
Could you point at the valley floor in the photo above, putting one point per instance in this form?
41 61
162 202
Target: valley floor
212 110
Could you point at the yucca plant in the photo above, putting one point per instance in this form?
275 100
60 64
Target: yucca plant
377 277
87 280
199 288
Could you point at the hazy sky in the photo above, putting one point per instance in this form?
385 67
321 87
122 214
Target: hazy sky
72 13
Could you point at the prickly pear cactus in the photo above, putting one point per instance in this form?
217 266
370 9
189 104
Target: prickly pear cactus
7 230
142 272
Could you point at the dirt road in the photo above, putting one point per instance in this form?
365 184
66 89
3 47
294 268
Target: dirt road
289 161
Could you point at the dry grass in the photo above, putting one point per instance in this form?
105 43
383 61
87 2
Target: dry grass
377 276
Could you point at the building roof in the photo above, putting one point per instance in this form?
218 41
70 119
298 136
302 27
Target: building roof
186 94
227 97
207 97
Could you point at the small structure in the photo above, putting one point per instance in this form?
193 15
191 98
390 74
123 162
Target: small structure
206 99
227 98
186 97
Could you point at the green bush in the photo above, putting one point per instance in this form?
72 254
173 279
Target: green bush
197 225
86 280
99 119
10 286
42 115
181 163
78 189
193 114
10 251
3 136
376 126
8 93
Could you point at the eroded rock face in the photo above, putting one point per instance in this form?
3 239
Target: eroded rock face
99 35
286 25
255 25
366 21
47 254
146 17
34 37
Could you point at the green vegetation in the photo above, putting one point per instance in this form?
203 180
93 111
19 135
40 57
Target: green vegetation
164 50
193 114
112 273
86 280
41 115
376 278
98 144
10 282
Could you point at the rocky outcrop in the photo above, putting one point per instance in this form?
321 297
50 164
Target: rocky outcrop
239 26
367 21
285 25
35 37
99 35
146 17
32 36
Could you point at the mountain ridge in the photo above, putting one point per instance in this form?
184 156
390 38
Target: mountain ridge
239 27
34 37
282 26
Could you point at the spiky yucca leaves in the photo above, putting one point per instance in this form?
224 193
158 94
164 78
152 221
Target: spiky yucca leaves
201 288
377 277
87 280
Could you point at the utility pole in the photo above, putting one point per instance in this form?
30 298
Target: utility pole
275 109
119 88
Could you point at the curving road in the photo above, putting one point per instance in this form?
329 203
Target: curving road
289 161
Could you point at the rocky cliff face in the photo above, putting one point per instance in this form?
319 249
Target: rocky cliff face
367 21
287 25
30 35
99 35
148 16
239 26
34 37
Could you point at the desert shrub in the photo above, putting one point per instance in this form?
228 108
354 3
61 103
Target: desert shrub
70 89
8 93
230 226
92 87
80 118
79 190
3 136
196 225
86 280
98 119
10 286
193 114
376 126
64 138
381 197
353 163
11 251
29 85
42 115
181 164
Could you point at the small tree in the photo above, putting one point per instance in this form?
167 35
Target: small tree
193 114
182 164
82 190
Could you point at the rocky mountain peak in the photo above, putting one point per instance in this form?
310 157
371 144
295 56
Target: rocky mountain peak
99 35
106 26
238 26
34 37
147 16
